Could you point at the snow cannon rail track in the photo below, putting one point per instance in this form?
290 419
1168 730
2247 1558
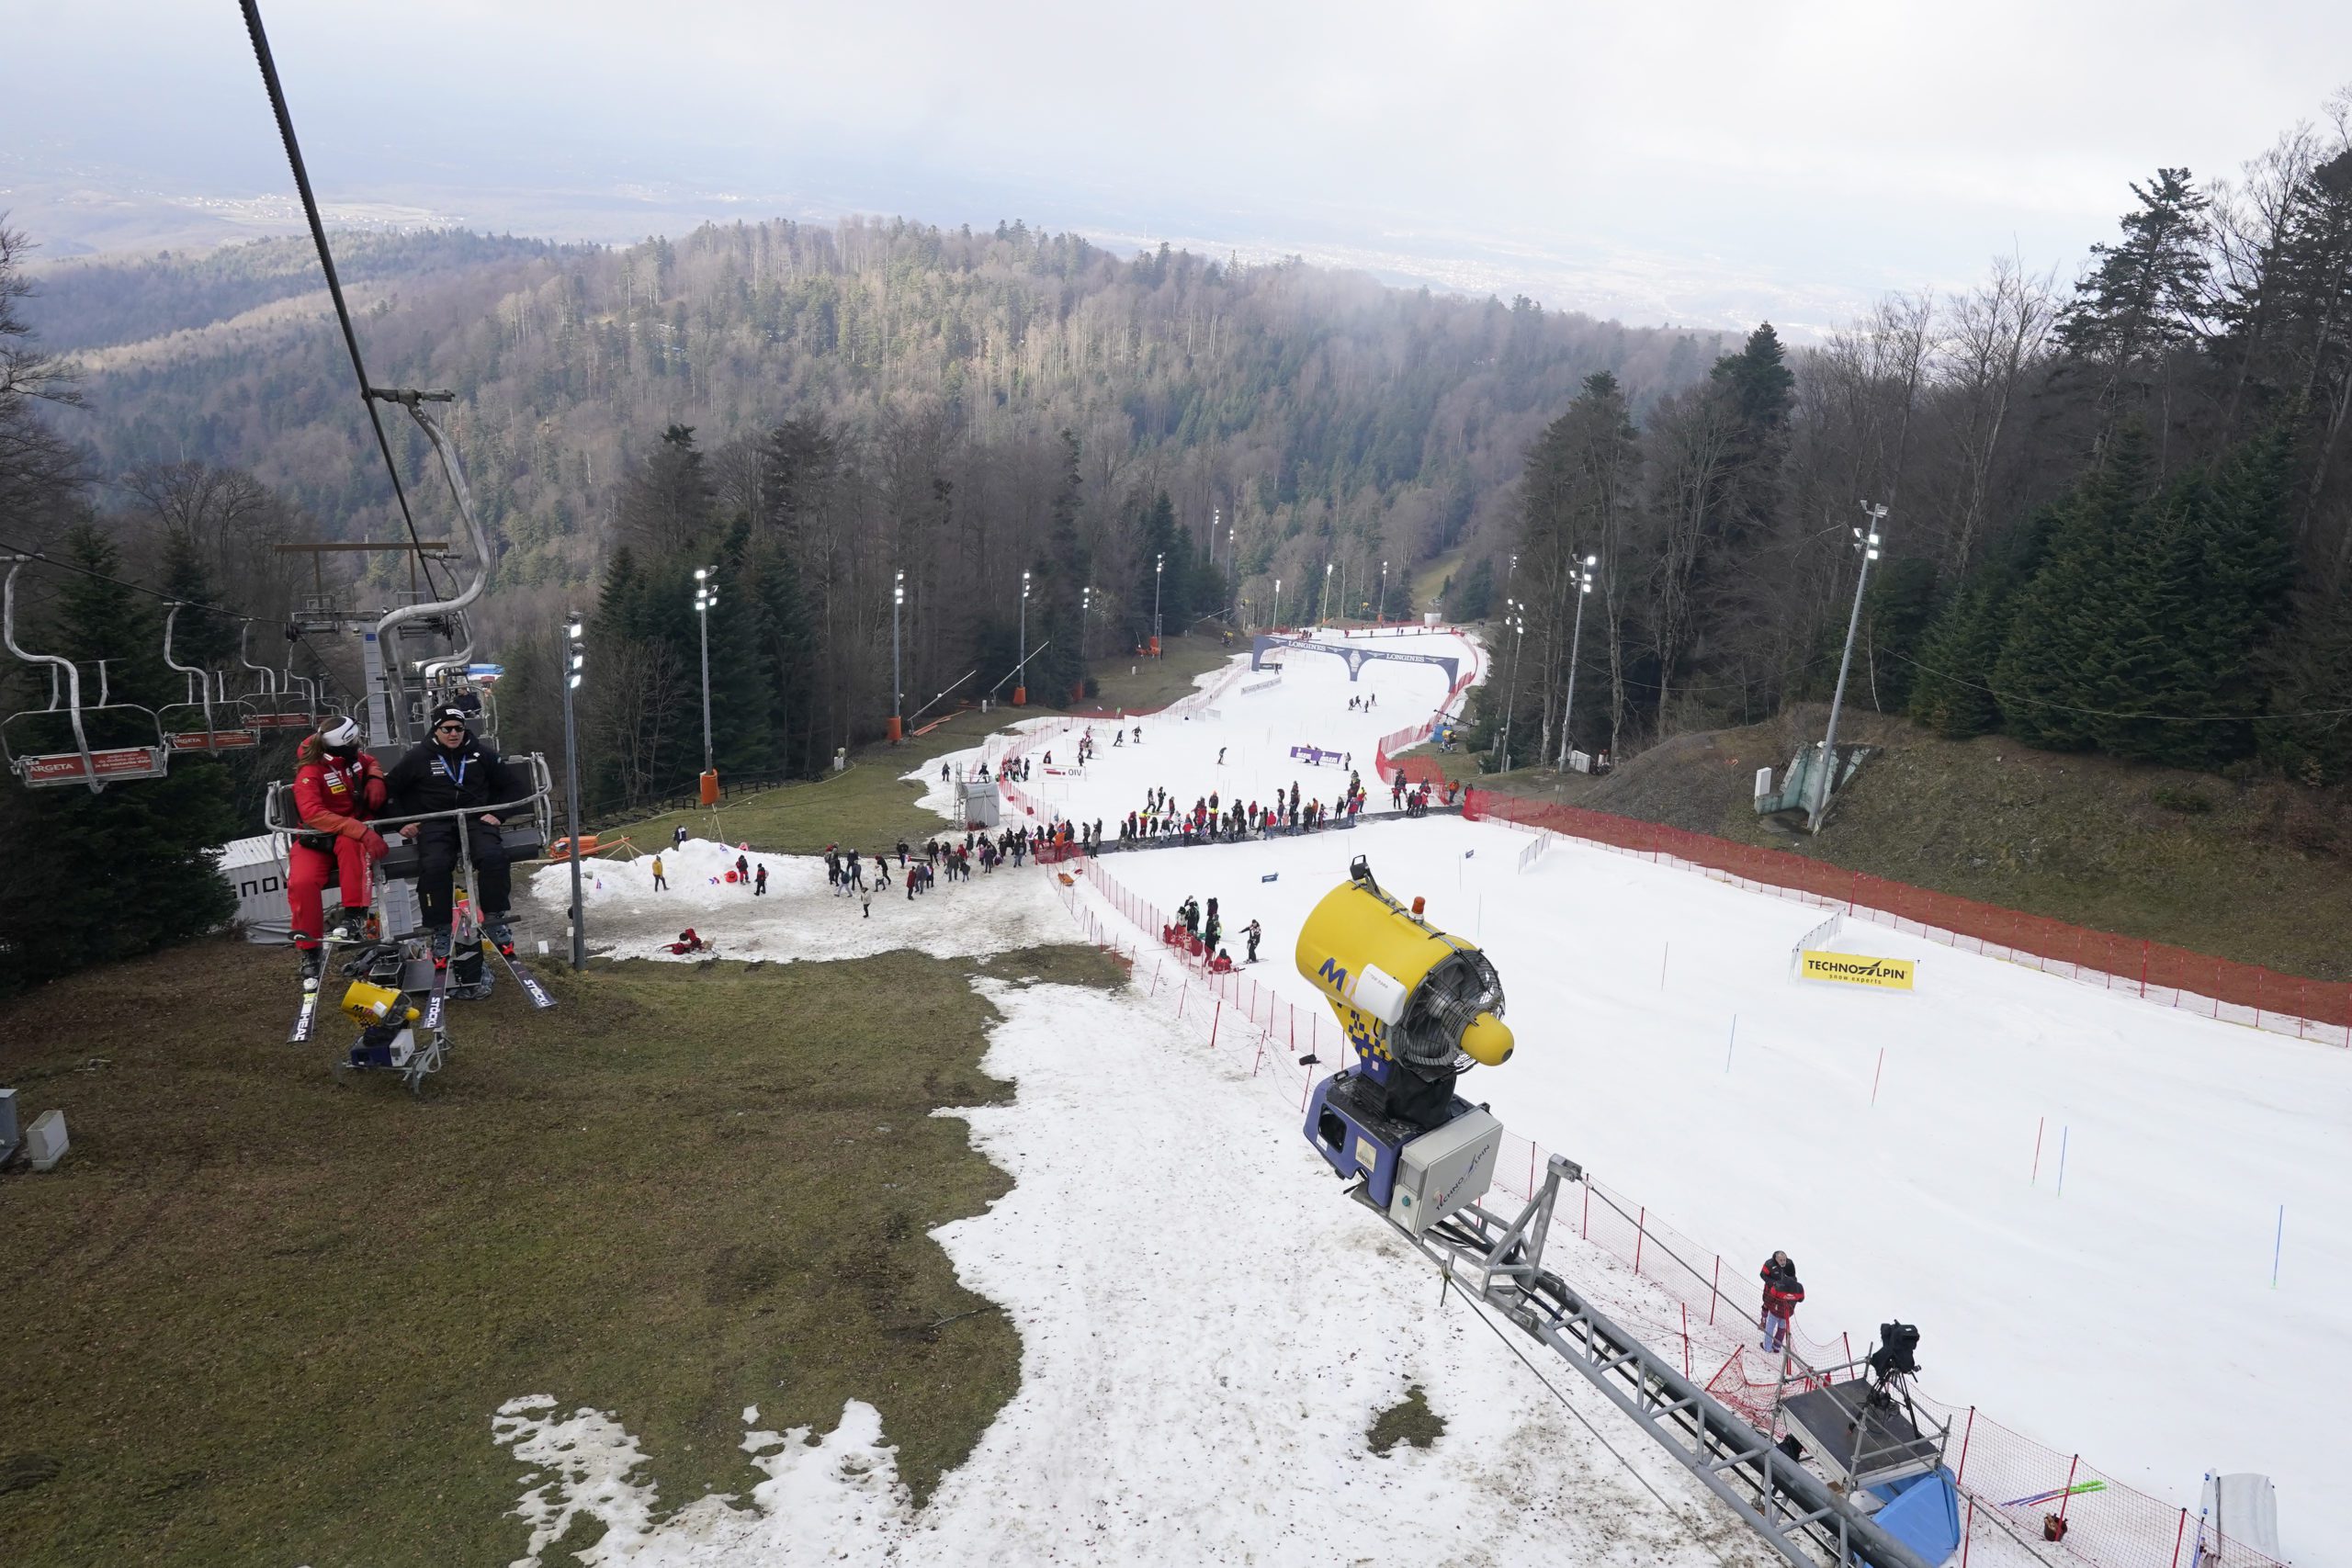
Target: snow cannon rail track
1796 1512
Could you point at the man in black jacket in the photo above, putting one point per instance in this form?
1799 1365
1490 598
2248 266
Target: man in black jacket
451 770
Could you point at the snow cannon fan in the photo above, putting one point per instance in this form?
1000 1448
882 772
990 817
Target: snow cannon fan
1419 1008
384 1014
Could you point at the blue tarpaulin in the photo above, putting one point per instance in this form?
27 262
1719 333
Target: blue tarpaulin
1923 1513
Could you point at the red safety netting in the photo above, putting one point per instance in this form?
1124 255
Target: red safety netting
2172 976
1696 1304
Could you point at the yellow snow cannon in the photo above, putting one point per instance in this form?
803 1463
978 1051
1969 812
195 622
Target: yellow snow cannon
1419 1008
366 1003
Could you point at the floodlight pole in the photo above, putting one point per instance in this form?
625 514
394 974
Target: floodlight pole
1020 692
706 595
1865 540
1381 613
897 686
1233 567
574 659
1576 641
1518 623
1159 568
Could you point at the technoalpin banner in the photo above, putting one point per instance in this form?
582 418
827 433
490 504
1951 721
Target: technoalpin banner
1859 969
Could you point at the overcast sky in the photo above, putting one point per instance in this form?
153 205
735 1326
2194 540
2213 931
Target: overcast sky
1700 160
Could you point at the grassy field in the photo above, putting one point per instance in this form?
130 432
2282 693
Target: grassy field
2259 871
868 804
264 1315
1429 579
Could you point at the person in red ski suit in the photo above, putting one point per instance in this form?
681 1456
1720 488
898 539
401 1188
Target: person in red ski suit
1782 1294
336 788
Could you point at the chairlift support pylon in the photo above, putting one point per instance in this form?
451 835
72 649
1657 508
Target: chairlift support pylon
388 691
96 766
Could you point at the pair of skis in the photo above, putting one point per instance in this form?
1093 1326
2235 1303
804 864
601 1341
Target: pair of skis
522 976
306 1017
306 1014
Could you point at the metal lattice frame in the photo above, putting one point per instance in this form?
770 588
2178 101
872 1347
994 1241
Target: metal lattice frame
1797 1513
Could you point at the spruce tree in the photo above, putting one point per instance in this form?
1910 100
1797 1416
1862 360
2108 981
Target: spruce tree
134 869
1951 696
1758 380
771 583
2309 738
2060 637
2238 564
201 636
1057 602
1157 542
742 716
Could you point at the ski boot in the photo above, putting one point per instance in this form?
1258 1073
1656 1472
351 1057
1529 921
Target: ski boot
498 933
350 926
312 960
440 947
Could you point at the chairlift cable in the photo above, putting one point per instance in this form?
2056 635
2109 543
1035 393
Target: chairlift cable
268 64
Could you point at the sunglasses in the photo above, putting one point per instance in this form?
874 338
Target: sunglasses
459 728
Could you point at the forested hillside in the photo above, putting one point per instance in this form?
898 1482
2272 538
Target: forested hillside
828 408
2118 508
2118 504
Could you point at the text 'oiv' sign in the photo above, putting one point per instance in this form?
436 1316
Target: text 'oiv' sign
1859 969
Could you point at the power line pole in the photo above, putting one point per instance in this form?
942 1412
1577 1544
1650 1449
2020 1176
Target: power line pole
1865 541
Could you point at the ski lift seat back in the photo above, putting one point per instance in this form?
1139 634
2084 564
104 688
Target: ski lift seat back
53 746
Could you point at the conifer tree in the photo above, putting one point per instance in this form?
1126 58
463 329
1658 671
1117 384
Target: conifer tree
133 867
1055 606
2238 566
2060 637
2310 737
1951 694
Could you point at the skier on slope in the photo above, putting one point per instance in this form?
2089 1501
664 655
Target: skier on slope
336 788
1251 934
452 770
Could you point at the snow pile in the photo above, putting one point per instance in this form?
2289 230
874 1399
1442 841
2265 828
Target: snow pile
1202 1357
590 1457
799 917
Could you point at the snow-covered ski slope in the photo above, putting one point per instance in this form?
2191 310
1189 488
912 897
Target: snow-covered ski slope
2131 1318
1206 1330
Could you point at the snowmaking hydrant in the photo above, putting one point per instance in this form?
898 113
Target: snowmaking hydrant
1419 1008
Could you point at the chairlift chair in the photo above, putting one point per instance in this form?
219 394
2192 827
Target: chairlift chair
269 706
526 823
40 764
207 702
